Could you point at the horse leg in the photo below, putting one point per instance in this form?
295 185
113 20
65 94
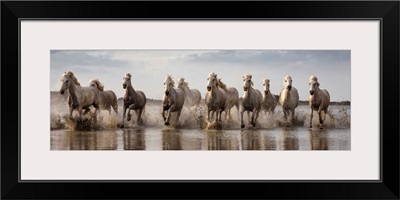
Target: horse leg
139 116
220 115
237 108
128 118
293 115
208 114
241 119
178 115
253 117
169 115
70 112
115 107
96 113
321 118
311 116
285 114
163 113
248 117
123 116
257 114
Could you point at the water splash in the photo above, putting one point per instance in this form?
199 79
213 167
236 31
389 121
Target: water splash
191 118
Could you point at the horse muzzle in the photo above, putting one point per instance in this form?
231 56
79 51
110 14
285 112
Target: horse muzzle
289 87
124 86
311 92
208 88
266 92
167 93
61 91
245 88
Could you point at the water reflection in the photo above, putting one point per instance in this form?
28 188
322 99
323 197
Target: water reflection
257 140
219 140
319 139
171 139
289 139
134 139
86 140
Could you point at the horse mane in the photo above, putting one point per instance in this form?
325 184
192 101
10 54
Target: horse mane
72 76
100 86
221 84
171 79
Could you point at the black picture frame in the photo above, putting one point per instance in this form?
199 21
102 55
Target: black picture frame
386 11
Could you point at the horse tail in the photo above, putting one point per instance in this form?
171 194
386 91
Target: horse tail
115 102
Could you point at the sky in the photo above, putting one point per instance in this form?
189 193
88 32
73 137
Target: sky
150 67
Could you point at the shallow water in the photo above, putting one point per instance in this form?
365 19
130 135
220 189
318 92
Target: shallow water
190 134
155 139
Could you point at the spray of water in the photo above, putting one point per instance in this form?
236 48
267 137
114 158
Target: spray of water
191 118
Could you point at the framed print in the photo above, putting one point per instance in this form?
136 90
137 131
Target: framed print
116 95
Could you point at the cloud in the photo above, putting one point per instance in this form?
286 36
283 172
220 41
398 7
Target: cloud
278 58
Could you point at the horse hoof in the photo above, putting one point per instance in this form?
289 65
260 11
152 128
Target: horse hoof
242 126
166 123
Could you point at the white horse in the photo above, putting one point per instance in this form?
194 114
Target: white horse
133 100
319 100
215 98
289 97
232 98
107 99
173 100
192 96
79 98
251 101
269 100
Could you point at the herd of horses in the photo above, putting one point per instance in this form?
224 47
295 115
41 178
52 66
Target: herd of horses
219 98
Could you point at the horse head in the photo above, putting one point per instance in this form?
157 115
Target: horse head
126 80
181 83
266 85
96 84
212 81
247 82
67 79
168 84
313 82
287 82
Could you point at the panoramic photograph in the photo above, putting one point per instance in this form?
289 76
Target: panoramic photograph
155 100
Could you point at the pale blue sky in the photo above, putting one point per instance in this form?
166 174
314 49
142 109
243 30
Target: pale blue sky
150 67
